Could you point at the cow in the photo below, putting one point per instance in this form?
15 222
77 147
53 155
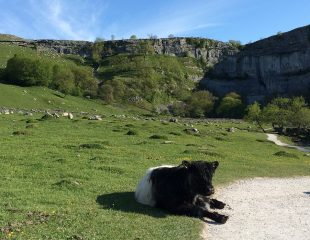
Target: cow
182 190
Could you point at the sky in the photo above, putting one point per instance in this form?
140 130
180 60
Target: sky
243 20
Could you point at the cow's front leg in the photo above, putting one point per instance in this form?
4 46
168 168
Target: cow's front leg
190 210
219 218
213 203
216 204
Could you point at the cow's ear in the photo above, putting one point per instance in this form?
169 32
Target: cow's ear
215 164
185 163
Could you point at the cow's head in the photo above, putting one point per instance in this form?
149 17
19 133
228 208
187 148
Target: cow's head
200 175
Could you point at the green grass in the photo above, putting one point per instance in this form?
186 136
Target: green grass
8 50
44 98
9 37
75 179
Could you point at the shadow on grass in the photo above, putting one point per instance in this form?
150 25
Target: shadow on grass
125 202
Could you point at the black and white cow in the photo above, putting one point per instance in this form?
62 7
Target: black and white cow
182 190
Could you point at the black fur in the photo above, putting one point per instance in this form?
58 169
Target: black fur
185 189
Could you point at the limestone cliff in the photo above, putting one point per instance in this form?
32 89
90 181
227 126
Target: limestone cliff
278 65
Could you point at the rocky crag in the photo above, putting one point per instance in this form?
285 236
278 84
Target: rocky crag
275 66
207 50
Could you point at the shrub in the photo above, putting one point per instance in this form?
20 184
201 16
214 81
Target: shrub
158 137
200 104
286 154
132 132
231 106
63 80
25 71
91 146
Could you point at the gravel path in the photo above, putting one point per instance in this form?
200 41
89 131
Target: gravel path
274 138
264 208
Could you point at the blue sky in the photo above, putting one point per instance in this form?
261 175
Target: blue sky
244 20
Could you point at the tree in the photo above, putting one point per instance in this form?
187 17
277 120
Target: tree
99 39
171 36
63 80
200 103
236 44
105 92
133 37
84 81
231 106
96 51
253 114
25 71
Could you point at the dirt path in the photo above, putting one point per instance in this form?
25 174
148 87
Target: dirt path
274 138
264 208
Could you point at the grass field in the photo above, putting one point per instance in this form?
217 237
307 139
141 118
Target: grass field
74 179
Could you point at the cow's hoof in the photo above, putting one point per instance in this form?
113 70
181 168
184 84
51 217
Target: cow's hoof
223 219
220 205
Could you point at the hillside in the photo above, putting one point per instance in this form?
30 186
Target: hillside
9 37
43 99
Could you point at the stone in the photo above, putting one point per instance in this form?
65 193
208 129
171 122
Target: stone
174 120
70 116
95 117
232 129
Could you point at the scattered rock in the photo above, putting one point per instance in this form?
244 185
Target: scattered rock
95 117
232 129
174 120
49 116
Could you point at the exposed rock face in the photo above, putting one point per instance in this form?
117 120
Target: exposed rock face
82 48
278 65
210 51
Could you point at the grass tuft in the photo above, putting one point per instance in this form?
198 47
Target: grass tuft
159 137
286 154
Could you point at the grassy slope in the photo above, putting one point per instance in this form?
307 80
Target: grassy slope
89 192
43 98
9 37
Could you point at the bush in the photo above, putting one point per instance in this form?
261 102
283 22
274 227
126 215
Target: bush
132 132
158 137
231 106
63 80
24 71
200 104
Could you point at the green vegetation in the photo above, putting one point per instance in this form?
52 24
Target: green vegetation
200 104
9 37
43 98
36 71
231 106
146 77
75 179
235 44
287 116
